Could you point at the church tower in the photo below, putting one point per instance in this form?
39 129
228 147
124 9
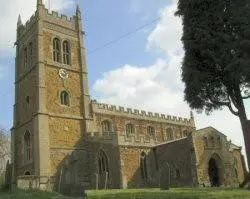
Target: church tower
52 102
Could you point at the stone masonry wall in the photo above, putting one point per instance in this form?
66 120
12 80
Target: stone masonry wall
179 157
209 143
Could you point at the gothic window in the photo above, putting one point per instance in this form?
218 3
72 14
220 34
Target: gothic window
177 174
25 58
27 173
66 52
185 133
56 50
143 166
65 98
169 134
107 127
130 129
31 54
151 131
27 146
102 163
27 99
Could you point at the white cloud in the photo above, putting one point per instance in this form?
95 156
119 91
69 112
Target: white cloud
158 87
9 11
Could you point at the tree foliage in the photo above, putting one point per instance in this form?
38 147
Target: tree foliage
4 145
216 66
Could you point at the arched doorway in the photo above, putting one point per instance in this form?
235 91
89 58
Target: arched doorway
214 172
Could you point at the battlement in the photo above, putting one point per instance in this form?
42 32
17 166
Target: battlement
28 24
50 17
140 113
57 15
131 140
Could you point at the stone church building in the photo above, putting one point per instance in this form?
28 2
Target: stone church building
62 139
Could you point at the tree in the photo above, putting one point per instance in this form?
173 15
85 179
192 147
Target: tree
4 146
216 66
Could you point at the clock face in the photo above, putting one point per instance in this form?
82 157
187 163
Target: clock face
63 73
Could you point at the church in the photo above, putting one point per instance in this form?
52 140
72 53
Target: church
62 139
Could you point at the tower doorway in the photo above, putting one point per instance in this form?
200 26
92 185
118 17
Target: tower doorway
214 173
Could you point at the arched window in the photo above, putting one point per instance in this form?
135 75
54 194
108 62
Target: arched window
177 174
56 50
27 146
107 127
27 173
103 163
65 98
66 53
151 131
31 54
25 58
169 134
185 133
143 165
130 129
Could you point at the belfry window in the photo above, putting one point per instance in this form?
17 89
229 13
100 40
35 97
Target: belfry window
130 129
27 146
30 54
25 58
56 50
66 53
102 163
143 165
65 98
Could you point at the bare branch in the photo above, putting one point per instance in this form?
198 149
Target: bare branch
246 97
228 104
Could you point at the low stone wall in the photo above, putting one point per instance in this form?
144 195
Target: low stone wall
35 182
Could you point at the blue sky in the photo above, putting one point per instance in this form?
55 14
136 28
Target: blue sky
141 71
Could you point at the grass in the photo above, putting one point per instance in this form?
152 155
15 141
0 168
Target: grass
177 193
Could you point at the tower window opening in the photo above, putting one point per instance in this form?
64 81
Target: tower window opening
25 58
31 53
66 53
56 50
27 99
65 98
27 146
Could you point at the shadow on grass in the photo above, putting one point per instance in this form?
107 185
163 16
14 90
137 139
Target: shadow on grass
172 194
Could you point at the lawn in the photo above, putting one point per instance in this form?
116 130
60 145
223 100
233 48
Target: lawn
207 193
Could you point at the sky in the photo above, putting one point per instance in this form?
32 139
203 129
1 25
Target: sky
140 71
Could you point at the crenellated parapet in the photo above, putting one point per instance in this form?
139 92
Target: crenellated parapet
51 17
140 114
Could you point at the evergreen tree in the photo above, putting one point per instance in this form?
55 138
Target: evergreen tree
216 66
